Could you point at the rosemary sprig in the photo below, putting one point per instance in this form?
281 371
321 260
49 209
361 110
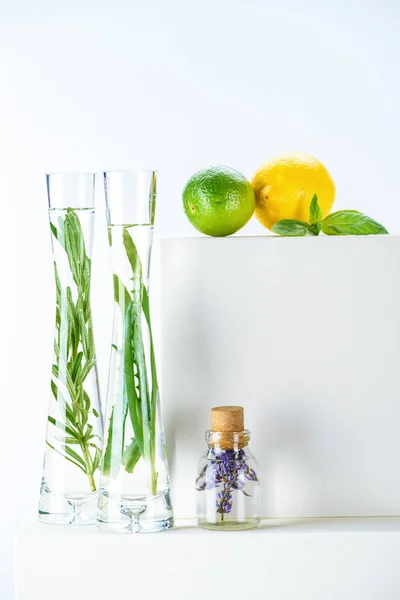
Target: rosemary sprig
75 354
136 399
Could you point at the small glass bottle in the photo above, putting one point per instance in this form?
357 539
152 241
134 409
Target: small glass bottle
227 485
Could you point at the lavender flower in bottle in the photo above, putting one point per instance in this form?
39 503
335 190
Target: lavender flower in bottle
227 485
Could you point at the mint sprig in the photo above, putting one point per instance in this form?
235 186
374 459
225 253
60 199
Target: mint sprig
341 222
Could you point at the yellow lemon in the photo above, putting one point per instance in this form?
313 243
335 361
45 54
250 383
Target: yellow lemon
285 185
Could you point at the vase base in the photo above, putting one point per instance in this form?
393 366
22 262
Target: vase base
143 527
66 519
229 525
68 509
134 513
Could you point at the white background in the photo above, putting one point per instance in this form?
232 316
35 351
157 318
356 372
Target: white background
173 85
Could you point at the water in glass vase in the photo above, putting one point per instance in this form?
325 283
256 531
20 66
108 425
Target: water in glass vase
68 493
135 488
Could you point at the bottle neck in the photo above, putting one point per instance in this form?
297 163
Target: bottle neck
228 440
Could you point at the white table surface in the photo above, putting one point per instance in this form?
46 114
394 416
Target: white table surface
321 559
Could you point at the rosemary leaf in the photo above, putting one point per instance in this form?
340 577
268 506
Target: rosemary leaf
63 427
74 455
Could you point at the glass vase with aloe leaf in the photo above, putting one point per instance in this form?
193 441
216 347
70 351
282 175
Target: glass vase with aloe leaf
135 489
69 488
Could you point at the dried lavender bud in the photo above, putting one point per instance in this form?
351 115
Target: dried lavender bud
228 469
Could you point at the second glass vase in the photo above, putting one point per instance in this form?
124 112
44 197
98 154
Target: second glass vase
135 490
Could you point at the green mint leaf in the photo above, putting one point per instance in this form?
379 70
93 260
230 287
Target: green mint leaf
351 222
315 211
315 229
291 227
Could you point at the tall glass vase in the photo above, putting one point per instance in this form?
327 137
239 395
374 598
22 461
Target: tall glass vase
72 456
135 490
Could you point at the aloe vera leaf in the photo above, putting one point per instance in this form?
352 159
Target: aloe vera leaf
131 252
116 432
139 359
131 456
136 337
154 381
115 441
121 294
129 391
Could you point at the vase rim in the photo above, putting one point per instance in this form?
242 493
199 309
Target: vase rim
129 171
64 173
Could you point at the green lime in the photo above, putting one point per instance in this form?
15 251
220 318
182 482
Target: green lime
218 201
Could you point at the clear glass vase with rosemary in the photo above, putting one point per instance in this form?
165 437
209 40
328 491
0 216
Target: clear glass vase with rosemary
72 457
135 489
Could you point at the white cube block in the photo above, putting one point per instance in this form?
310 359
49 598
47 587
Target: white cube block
305 334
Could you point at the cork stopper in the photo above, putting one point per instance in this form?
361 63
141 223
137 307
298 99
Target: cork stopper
227 427
227 418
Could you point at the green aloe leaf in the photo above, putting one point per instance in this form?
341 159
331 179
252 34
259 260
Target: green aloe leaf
351 222
131 252
154 381
121 294
130 393
115 439
131 456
